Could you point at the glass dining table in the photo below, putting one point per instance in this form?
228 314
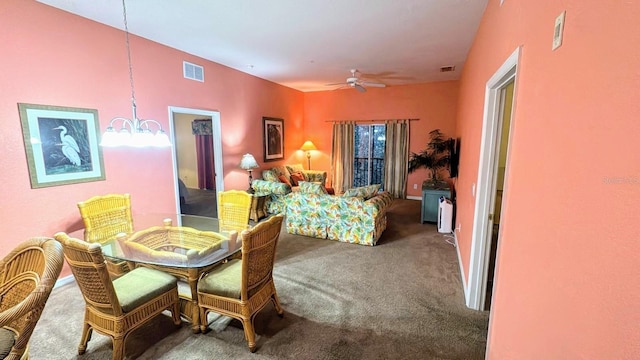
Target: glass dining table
186 251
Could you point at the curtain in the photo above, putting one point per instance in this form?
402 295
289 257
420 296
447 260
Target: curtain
342 156
202 129
396 157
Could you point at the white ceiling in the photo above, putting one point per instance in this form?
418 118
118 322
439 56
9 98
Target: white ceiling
305 44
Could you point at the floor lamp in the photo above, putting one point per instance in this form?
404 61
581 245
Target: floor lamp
249 163
308 146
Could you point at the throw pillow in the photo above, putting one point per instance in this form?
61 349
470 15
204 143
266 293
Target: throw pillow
283 179
294 168
282 170
296 178
371 191
311 188
356 192
269 175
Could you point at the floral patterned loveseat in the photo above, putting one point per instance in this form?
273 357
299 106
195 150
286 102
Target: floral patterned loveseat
353 218
277 191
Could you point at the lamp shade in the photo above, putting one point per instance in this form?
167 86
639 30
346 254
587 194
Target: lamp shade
248 162
308 145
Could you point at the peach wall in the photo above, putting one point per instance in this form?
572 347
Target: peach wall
567 284
434 104
56 58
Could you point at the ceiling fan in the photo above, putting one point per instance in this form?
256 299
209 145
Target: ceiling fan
356 82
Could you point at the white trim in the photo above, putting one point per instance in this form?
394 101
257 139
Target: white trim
414 198
64 281
461 264
217 147
480 247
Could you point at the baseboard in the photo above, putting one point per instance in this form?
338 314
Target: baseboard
464 280
414 198
64 281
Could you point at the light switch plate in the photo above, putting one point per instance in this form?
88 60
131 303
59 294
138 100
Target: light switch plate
557 31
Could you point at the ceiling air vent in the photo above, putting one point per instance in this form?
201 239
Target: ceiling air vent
193 71
447 68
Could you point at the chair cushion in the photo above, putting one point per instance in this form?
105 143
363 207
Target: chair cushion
140 286
225 280
7 339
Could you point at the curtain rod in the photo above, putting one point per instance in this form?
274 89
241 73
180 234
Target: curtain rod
373 120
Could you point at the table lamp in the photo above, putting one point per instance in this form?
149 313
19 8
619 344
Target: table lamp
249 163
308 146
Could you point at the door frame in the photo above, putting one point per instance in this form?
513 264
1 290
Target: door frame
217 147
486 183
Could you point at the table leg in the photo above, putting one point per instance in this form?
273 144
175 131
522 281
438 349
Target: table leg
195 313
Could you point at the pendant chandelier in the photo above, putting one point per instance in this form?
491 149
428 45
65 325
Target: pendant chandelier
139 133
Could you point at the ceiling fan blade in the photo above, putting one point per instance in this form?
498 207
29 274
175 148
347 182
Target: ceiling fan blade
359 87
372 84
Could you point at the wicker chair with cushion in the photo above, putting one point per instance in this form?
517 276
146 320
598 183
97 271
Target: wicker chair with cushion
104 217
240 288
27 276
116 307
234 207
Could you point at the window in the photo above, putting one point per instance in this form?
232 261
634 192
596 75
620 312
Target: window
368 161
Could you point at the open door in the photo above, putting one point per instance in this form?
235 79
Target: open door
195 198
490 185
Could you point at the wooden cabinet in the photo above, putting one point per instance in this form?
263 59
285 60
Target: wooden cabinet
430 203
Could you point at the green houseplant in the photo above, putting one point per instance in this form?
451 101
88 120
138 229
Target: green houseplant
434 157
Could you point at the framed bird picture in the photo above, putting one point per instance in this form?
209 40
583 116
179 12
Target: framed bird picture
61 144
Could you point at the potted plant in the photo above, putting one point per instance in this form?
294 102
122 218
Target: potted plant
435 157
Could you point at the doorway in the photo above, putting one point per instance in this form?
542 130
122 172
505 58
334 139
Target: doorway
504 108
195 197
492 172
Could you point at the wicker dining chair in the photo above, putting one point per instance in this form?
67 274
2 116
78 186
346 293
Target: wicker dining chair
27 276
117 307
234 207
240 288
104 217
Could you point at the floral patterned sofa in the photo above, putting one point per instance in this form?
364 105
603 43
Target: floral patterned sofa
279 181
355 217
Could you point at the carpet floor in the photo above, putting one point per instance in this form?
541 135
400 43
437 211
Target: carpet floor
401 299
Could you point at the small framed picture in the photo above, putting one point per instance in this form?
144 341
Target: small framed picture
61 144
273 138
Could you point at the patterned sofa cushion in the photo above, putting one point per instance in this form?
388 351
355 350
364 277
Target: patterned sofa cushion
311 188
365 192
270 175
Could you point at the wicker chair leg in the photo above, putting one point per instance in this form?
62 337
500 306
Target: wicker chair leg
249 334
84 339
175 313
204 324
276 304
118 349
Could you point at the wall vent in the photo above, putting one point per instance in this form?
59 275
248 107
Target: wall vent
447 68
193 71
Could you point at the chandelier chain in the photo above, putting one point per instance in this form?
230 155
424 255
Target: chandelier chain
126 34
